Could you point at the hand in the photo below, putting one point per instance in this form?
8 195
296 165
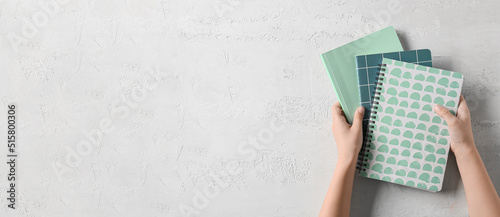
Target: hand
459 127
348 138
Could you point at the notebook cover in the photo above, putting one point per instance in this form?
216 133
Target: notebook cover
367 69
408 143
341 67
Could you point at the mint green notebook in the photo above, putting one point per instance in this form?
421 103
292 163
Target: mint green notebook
407 142
341 66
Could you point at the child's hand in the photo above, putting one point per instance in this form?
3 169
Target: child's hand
459 127
348 138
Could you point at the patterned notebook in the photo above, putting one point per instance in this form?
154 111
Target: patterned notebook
367 65
407 142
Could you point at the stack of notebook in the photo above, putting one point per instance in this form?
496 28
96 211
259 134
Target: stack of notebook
405 141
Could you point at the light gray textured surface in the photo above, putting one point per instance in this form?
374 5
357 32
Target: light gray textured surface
222 72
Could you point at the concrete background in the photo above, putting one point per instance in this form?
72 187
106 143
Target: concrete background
215 108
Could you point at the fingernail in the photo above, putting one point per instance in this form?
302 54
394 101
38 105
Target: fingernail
361 110
438 107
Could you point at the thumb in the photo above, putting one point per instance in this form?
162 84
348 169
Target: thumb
445 114
357 122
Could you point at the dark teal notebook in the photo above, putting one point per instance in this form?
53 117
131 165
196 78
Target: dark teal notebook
367 67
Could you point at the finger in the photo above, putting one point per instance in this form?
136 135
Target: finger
357 123
463 110
337 113
445 114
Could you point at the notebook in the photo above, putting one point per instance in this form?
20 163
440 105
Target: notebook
367 69
341 68
407 142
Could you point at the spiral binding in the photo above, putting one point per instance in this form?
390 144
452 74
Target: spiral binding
367 138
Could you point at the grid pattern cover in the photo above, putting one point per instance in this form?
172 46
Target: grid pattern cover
367 67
